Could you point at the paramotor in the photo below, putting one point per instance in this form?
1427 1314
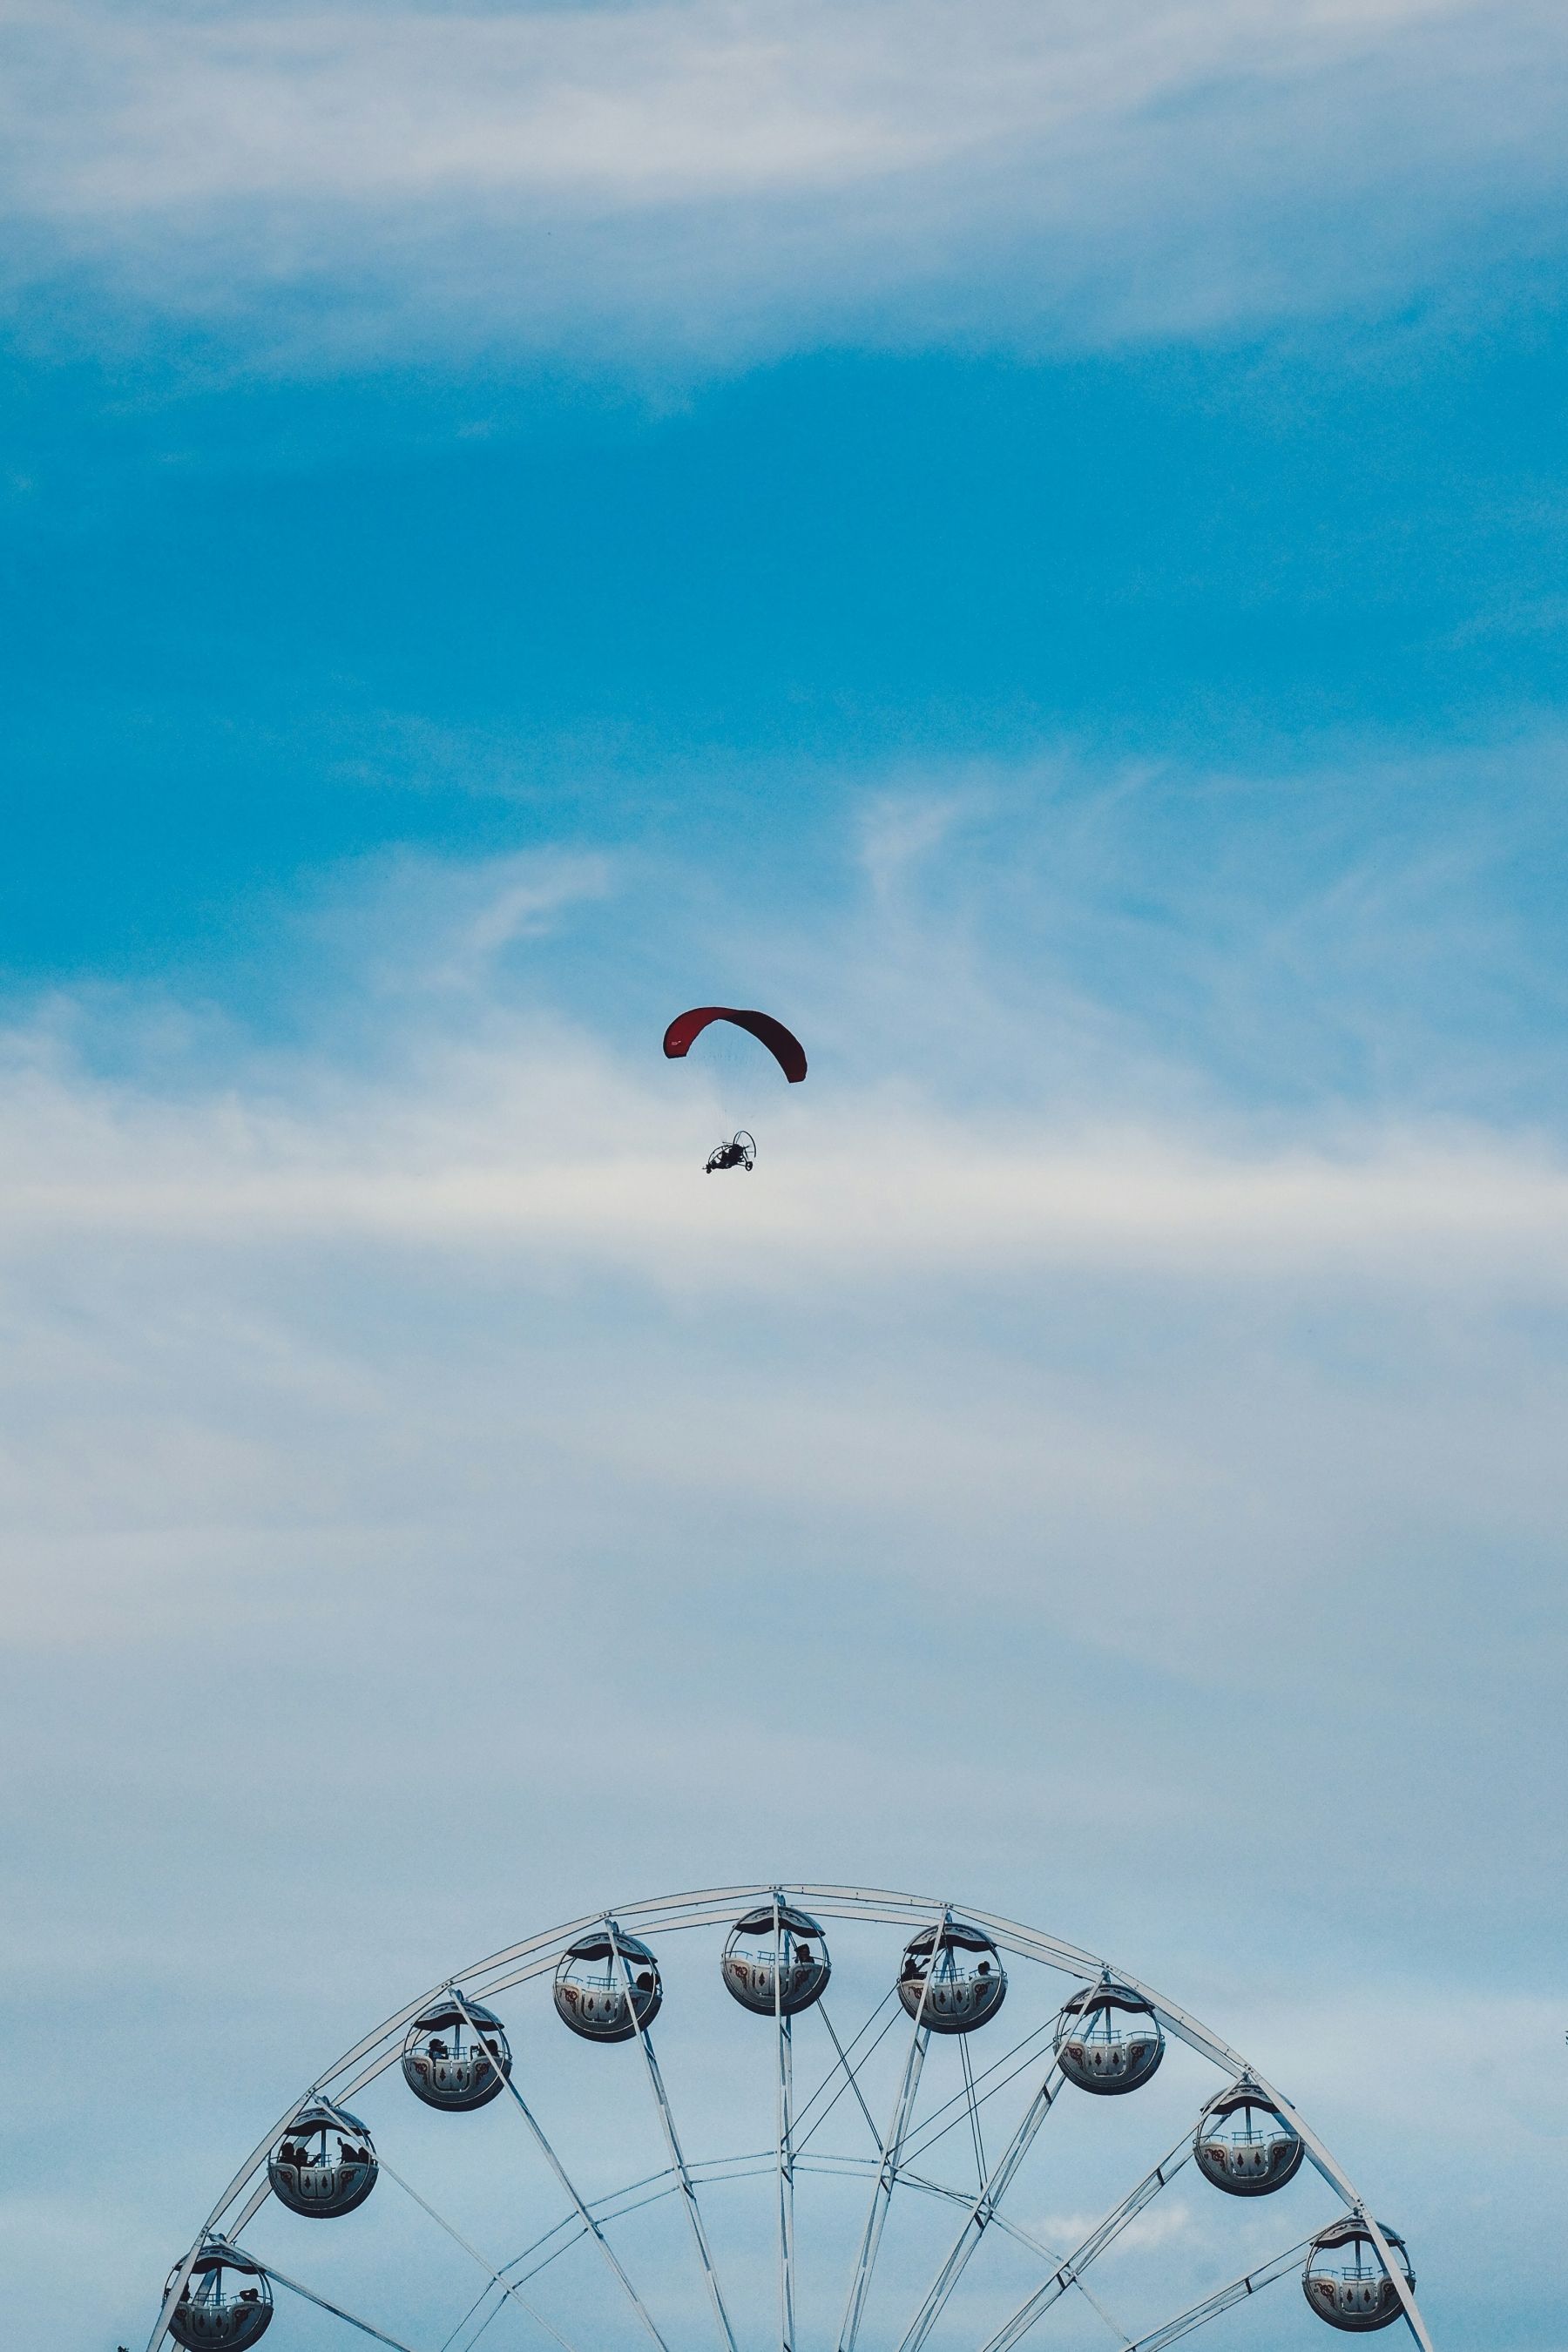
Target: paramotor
742 1152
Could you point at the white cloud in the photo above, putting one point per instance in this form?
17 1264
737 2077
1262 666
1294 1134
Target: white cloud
725 178
1135 1514
1167 2220
538 1142
1120 1331
643 101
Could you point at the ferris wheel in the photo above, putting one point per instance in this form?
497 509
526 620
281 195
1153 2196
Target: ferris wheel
872 2122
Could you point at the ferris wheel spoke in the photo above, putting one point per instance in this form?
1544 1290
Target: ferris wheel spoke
887 2162
1015 2231
566 2221
1069 2274
492 2313
623 2202
983 2211
956 2108
851 2073
717 2168
967 2065
672 2140
1251 2282
506 2286
584 2215
177 2286
257 2198
882 2191
252 2206
482 2296
785 2124
1095 2306
902 2156
310 2296
962 2197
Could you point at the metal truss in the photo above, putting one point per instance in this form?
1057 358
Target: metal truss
589 2223
888 2164
994 2187
661 2100
509 2287
783 2120
901 2148
1213 2304
1071 2273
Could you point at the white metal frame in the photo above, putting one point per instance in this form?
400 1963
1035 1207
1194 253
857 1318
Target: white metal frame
537 1956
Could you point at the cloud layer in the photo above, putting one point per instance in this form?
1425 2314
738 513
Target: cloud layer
544 1149
1107 1460
722 180
395 1411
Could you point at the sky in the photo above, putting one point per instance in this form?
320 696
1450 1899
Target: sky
1028 542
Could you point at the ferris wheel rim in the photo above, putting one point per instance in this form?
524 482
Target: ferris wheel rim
691 1909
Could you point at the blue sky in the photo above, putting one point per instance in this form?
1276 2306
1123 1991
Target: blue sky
263 629
1034 547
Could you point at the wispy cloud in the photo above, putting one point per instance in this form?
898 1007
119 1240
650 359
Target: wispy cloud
544 1143
398 1409
1144 2234
723 179
455 1127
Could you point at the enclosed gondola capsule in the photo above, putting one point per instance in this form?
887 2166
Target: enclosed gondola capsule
951 1978
455 2055
591 1986
1243 2143
1108 2038
311 2176
227 2300
776 1962
1345 2281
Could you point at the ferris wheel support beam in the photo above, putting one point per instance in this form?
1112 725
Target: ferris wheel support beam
973 2107
1213 2304
786 2184
570 2187
891 2150
672 2140
505 2286
1395 2270
971 2097
981 2213
1068 2274
309 2296
695 1908
850 2075
257 2198
252 2207
177 2286
1340 2182
785 2128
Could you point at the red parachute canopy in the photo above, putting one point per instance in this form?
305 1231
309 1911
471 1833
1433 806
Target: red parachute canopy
787 1050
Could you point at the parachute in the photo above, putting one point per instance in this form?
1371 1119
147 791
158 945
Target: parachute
786 1048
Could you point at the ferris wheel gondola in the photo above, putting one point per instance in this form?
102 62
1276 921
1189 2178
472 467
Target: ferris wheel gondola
881 2118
